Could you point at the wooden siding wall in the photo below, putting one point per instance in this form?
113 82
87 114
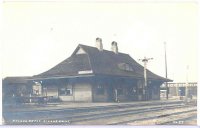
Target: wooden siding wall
140 84
155 91
100 97
67 98
52 91
129 95
123 96
83 92
109 90
86 91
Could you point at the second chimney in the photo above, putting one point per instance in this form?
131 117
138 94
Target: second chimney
99 44
114 47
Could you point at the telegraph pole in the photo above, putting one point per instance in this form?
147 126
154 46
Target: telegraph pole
167 89
145 60
186 85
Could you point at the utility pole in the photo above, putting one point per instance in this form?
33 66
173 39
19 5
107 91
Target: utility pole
167 89
145 60
186 85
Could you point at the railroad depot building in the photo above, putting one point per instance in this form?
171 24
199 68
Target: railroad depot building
92 74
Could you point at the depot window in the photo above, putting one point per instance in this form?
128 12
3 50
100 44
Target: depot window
65 91
100 90
125 67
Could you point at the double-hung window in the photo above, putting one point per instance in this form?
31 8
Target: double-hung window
66 90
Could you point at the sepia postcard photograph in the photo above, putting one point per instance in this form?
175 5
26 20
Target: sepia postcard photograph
99 63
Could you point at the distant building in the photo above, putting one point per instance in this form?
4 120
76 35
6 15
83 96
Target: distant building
92 74
179 89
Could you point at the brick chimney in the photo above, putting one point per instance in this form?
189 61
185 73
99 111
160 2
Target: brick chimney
114 47
99 44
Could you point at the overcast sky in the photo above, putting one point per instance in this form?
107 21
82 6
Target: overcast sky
39 35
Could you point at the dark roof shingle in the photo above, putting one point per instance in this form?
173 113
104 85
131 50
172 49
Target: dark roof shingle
100 62
69 67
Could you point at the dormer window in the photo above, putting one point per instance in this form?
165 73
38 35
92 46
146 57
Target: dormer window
125 66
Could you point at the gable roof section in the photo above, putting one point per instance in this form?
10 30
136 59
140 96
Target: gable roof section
100 63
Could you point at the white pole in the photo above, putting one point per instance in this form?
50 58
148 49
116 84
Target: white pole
145 78
167 97
30 98
145 73
186 85
116 98
145 60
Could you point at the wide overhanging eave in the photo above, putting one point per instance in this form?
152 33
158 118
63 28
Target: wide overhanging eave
59 77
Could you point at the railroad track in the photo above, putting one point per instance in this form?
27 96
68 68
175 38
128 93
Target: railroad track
118 113
45 114
117 117
181 121
9 113
158 119
116 106
86 115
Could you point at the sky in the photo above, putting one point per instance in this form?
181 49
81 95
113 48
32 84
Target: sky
39 35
